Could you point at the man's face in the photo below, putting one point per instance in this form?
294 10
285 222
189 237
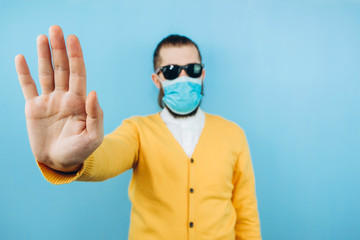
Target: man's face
179 56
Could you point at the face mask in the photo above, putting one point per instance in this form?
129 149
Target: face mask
182 95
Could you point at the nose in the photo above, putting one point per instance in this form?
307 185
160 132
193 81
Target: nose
182 73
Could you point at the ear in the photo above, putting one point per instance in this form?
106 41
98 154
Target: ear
155 79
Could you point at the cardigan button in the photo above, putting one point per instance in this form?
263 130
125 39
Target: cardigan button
191 224
192 160
191 190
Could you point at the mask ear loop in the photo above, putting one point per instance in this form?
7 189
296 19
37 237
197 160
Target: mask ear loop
161 83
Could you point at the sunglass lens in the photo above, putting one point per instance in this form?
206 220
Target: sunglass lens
194 70
171 72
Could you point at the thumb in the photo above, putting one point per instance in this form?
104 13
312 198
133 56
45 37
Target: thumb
94 118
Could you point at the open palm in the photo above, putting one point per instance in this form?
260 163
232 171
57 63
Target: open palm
64 126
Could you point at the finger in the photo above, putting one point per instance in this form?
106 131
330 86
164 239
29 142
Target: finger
46 73
26 82
77 66
60 58
94 119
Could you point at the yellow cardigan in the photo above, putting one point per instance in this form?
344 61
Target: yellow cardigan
209 196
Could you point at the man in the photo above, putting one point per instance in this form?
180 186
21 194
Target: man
192 172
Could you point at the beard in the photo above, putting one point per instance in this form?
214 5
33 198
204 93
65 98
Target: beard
175 115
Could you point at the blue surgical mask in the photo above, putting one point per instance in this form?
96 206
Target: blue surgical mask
182 95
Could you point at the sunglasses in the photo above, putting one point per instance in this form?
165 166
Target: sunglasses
172 71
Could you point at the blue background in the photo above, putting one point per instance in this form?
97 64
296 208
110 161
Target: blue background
286 71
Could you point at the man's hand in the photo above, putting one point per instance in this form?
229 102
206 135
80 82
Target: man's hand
64 125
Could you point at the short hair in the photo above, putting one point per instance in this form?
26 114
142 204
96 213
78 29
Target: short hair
172 40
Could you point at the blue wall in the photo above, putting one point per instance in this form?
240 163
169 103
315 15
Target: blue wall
286 71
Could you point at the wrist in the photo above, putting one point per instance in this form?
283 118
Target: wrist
63 168
70 169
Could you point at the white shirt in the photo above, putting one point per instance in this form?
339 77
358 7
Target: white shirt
187 130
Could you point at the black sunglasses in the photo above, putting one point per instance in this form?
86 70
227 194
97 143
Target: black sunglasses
172 71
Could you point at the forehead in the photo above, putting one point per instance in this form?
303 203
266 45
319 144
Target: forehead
181 55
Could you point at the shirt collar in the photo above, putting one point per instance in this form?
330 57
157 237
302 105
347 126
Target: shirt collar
192 120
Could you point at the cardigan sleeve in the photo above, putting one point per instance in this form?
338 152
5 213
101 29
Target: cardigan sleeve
117 153
244 197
